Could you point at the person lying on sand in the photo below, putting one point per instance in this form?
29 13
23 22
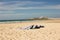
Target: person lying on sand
33 27
27 28
37 27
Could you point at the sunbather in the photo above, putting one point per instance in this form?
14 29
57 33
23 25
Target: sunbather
37 27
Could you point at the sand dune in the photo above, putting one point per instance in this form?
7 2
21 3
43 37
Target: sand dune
12 31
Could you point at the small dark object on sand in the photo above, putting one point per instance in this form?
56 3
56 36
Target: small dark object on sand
32 27
37 27
41 26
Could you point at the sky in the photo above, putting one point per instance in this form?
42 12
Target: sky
22 9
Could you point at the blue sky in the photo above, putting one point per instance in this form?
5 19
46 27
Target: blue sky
20 9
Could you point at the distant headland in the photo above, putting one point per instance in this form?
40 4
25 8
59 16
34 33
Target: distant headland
30 19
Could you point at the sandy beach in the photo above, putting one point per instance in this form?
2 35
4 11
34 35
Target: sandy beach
12 31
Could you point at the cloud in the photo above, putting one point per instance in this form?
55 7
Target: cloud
6 12
14 16
18 5
15 5
11 16
47 7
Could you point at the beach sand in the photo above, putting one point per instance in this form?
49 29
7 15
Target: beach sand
12 31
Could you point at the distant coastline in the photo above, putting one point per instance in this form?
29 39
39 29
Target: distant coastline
30 19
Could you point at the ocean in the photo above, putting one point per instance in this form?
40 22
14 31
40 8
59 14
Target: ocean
14 21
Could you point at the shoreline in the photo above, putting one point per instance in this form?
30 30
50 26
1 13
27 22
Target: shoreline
42 21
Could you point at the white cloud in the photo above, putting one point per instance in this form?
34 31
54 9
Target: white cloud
51 7
6 12
26 5
18 5
18 14
12 16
